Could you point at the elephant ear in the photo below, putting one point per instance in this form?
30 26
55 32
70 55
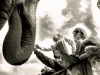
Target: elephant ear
6 9
19 41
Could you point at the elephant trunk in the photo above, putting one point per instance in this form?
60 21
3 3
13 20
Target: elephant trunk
19 41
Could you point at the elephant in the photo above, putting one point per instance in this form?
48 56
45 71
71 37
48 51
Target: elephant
19 41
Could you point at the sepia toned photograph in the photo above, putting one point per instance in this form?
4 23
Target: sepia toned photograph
49 37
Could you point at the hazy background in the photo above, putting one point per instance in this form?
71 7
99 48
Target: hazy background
55 16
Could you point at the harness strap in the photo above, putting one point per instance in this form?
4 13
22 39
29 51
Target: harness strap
69 67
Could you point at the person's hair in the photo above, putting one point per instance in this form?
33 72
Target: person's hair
59 35
83 33
55 56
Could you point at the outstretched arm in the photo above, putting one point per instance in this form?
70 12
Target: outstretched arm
70 42
48 61
47 49
43 48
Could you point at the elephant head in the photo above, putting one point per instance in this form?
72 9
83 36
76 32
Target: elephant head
19 40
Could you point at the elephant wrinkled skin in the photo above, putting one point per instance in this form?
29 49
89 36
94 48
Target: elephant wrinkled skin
19 41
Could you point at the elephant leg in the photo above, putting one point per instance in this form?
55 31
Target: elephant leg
14 51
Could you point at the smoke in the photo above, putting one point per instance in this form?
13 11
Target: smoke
54 19
80 12
49 17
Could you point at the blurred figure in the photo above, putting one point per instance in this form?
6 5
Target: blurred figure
86 47
60 49
83 44
55 52
79 36
47 71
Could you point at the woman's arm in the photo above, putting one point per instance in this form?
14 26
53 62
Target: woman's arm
47 49
70 42
44 49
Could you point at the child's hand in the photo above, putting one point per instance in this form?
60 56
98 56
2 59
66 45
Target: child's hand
37 46
76 55
73 54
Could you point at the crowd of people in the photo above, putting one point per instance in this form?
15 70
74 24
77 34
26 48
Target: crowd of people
78 63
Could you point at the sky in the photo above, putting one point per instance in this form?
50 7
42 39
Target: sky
54 16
